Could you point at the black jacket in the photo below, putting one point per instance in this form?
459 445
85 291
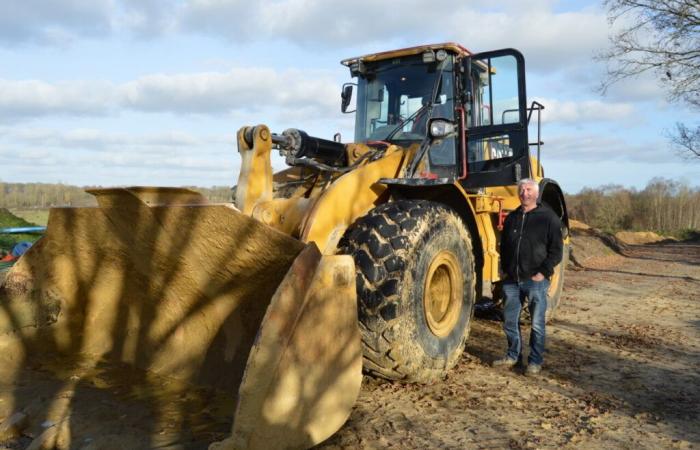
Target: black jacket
530 243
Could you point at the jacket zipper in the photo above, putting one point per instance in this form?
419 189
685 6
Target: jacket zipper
517 249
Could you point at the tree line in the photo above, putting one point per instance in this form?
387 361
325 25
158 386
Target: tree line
664 206
47 195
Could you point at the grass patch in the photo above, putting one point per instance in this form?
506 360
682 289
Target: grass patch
36 216
7 241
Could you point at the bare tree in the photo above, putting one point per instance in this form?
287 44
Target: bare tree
660 36
687 140
664 206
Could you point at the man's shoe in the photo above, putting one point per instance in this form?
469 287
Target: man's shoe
505 363
533 369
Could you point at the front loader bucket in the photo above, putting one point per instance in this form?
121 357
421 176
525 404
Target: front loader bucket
157 320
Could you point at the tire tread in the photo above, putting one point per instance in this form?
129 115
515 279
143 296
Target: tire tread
381 257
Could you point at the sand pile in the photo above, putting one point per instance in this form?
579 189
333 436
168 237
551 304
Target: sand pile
576 225
639 237
588 242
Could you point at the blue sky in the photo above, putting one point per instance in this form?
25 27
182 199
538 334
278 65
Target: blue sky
151 92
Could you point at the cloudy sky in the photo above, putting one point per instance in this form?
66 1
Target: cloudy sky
151 92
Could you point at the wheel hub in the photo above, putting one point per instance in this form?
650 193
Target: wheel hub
442 297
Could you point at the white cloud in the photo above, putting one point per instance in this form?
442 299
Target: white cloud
238 89
246 89
290 94
574 176
90 156
646 87
60 22
31 98
550 40
577 112
595 148
53 21
96 140
147 17
123 170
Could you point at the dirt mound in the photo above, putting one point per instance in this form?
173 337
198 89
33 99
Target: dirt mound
588 242
639 237
576 225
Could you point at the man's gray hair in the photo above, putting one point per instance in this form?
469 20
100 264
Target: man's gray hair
529 181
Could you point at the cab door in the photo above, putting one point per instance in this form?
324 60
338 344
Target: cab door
496 124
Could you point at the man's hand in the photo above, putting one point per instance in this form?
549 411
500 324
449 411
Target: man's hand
537 277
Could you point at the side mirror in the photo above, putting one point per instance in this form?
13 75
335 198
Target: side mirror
345 97
441 128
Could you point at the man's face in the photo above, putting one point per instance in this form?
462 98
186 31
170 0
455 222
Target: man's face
528 195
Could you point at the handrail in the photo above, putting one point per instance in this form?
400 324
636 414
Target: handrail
539 107
535 106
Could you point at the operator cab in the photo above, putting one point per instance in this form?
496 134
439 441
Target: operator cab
476 105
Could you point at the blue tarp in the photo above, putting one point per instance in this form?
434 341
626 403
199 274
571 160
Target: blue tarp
21 248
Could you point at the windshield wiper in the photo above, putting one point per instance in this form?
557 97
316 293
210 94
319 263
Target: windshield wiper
407 120
429 106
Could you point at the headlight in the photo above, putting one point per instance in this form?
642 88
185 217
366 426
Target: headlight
441 128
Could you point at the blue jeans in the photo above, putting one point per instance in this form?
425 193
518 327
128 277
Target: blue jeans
515 295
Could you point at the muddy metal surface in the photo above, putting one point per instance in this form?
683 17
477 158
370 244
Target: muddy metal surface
622 370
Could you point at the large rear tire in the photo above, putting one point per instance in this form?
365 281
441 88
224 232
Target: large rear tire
415 285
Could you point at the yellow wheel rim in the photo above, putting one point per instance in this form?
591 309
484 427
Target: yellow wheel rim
442 297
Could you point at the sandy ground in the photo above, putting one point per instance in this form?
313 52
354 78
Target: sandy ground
622 370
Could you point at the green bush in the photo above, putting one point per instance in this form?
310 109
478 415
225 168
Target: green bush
688 234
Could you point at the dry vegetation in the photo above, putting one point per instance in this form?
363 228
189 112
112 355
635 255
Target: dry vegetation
46 195
664 206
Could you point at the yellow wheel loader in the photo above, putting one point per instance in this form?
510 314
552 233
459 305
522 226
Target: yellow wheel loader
157 319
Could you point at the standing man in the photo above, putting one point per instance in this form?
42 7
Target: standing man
531 246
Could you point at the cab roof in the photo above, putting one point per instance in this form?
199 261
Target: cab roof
448 46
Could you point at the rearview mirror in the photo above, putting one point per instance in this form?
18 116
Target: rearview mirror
345 97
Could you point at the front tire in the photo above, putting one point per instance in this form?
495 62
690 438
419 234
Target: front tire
415 284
